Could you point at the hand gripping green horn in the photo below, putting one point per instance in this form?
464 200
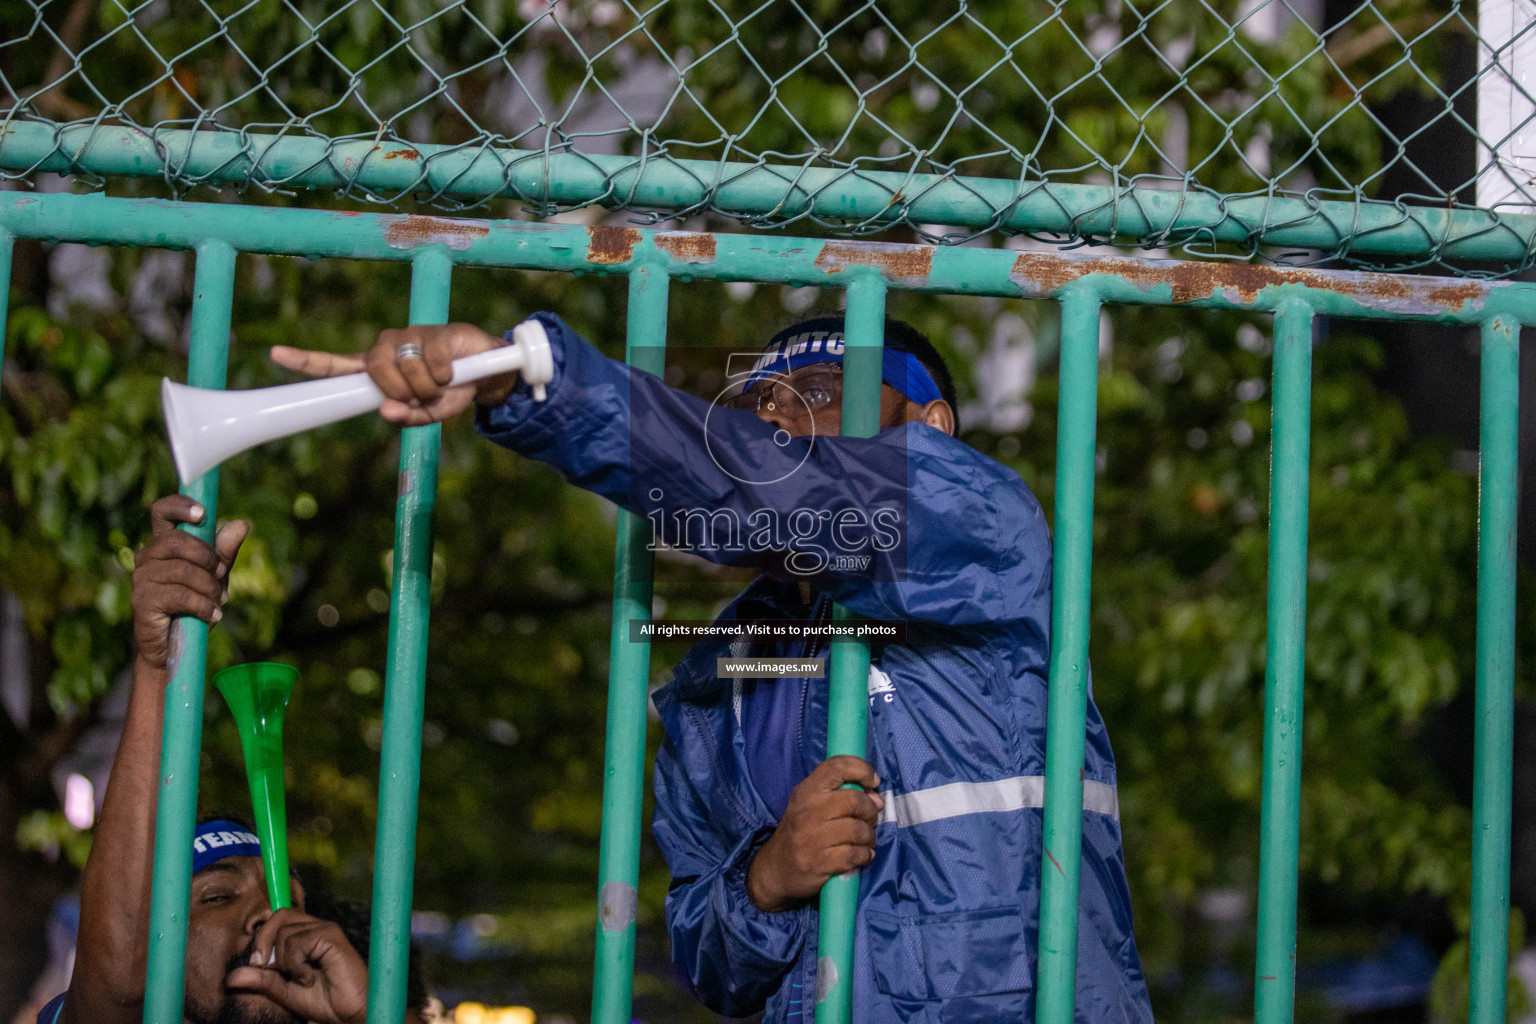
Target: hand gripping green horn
257 694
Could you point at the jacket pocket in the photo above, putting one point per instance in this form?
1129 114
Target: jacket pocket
949 956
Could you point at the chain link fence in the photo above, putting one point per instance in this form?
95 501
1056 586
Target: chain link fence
1388 133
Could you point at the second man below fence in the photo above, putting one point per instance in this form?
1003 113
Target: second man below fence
911 525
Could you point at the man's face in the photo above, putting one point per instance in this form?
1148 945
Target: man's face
810 401
229 902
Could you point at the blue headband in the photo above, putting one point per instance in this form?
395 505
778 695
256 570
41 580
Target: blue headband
901 370
216 840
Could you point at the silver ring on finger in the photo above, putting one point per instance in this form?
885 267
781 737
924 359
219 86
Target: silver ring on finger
410 350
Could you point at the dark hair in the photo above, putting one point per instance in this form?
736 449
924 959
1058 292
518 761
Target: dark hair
901 337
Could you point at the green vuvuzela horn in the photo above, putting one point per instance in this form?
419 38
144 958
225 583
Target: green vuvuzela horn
257 694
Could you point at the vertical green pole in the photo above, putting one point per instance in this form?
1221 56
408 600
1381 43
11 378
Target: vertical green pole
7 244
1077 421
182 732
405 678
1493 771
1284 666
629 674
848 693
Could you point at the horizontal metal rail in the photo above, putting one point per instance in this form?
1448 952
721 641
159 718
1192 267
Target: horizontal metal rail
960 270
1364 228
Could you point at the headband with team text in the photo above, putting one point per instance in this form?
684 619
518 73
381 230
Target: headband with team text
216 840
799 347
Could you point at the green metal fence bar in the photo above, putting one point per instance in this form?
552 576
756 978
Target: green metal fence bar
629 674
7 246
1284 666
213 290
1076 429
750 189
848 696
1493 768
394 861
776 259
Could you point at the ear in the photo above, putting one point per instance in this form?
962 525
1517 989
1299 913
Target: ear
936 414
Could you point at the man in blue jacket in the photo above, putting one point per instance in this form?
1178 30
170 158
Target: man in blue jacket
910 525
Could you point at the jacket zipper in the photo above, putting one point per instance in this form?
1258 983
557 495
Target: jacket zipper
805 692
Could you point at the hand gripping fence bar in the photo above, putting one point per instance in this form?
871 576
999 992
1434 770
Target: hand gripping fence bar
847 707
1082 285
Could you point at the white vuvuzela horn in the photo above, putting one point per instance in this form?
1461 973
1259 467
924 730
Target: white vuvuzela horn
208 426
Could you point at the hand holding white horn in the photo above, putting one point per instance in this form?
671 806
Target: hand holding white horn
417 391
459 364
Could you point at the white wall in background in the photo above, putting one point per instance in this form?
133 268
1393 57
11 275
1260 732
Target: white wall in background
1506 115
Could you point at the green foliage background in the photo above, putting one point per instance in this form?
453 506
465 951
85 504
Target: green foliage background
512 768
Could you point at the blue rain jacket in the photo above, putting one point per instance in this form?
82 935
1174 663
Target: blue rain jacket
949 908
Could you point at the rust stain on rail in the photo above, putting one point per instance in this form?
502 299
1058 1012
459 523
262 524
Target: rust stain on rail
1041 273
411 231
905 264
607 244
687 246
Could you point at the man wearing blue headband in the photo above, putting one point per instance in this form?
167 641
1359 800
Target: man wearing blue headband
911 525
245 964
799 377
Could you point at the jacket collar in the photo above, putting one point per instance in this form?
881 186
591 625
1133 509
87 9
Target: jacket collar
695 677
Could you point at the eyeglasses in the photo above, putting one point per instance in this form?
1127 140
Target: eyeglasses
796 394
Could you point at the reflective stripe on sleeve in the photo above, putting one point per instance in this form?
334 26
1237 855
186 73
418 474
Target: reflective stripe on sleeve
1022 792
